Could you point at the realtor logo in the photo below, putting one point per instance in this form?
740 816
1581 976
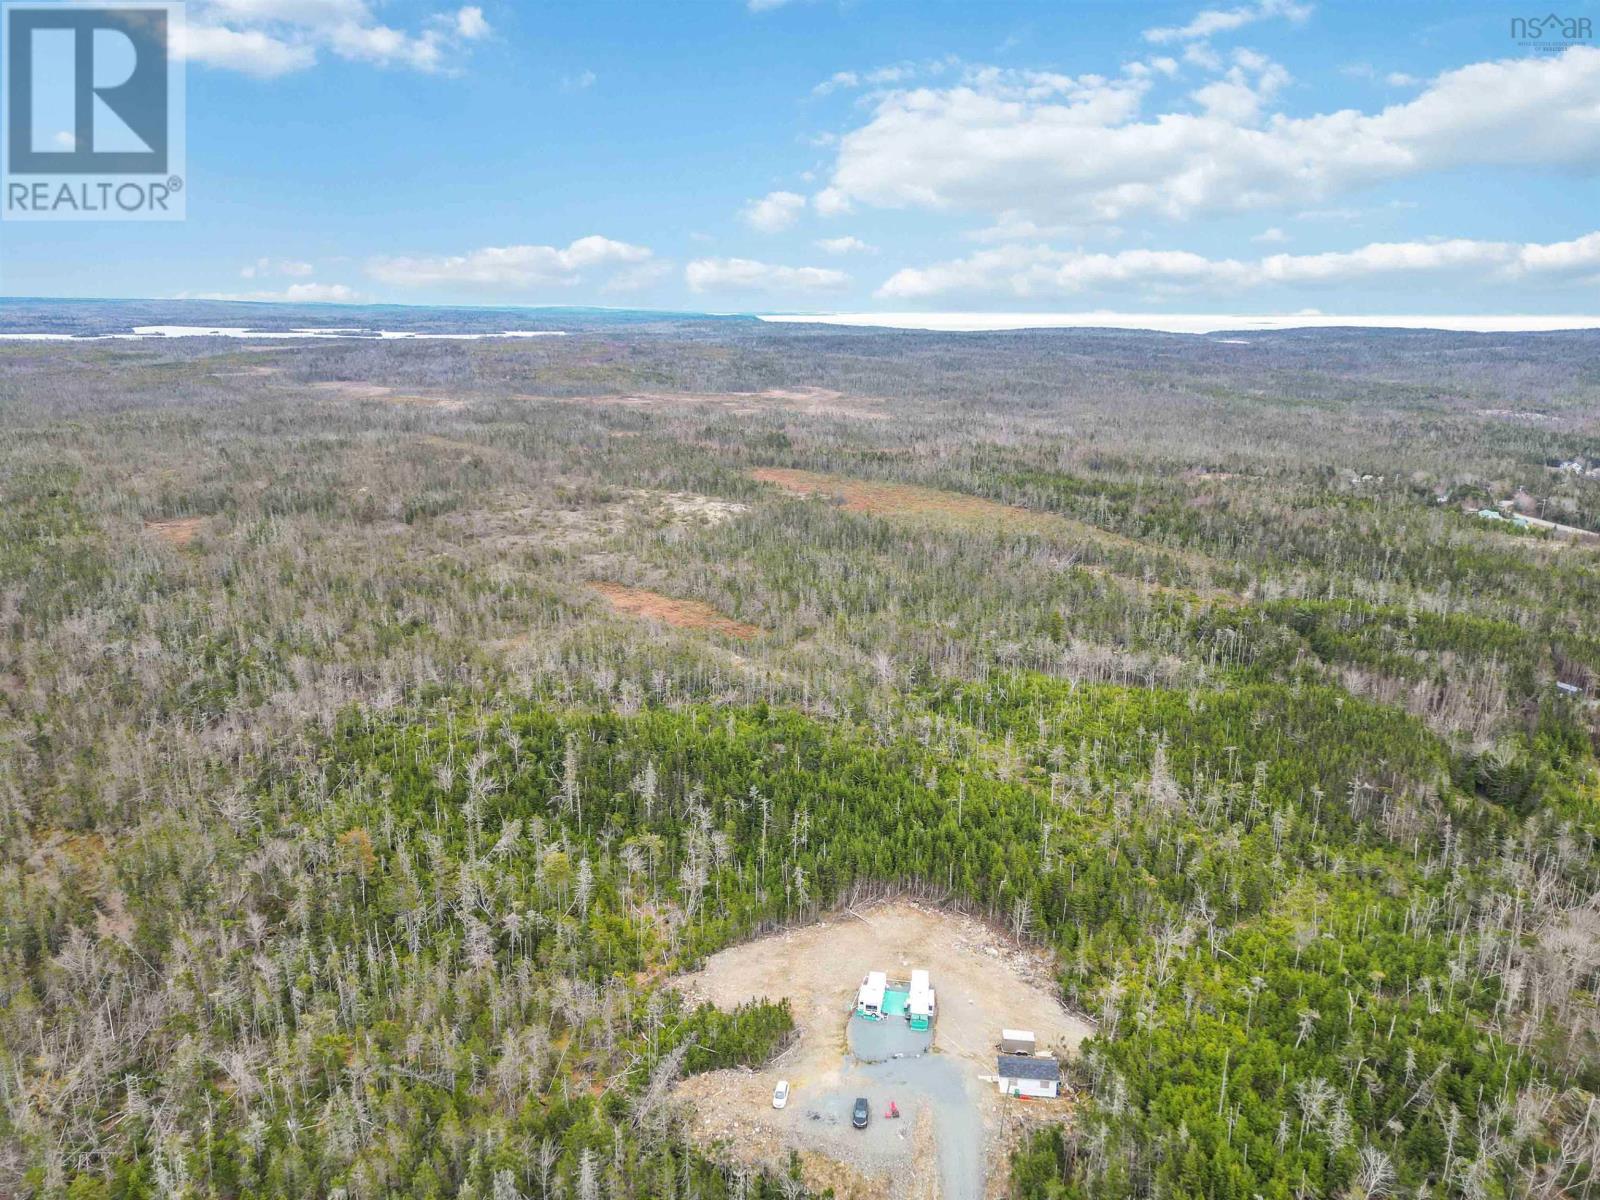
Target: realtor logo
1552 32
93 100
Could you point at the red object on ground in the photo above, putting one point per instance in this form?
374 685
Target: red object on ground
894 1110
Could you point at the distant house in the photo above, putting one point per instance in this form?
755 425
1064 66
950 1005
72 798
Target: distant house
1028 1075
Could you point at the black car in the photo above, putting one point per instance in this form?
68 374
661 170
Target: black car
860 1113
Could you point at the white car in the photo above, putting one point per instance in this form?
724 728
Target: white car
780 1094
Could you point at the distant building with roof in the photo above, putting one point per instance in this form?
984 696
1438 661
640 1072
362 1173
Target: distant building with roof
1029 1075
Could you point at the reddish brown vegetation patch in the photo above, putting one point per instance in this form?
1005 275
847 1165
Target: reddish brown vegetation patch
897 499
906 501
684 614
179 531
809 401
355 390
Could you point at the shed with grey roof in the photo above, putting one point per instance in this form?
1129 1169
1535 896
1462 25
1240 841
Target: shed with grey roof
1029 1075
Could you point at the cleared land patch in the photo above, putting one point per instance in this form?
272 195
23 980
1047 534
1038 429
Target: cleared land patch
808 401
354 390
683 614
508 520
898 499
984 983
909 501
687 505
179 531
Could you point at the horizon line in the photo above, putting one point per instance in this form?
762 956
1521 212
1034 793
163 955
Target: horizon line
949 321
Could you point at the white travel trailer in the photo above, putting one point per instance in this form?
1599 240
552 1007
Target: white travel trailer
869 1000
919 1005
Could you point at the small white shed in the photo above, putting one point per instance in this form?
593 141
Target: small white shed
1029 1075
1017 1041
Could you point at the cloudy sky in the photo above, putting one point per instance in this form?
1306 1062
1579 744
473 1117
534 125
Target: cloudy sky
816 155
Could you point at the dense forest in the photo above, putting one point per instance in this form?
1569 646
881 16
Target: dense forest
384 726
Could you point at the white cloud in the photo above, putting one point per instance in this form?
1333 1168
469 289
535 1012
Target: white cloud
638 278
289 267
1270 236
504 268
304 13
295 293
580 82
1055 149
1014 227
328 293
831 202
1200 54
1212 21
471 24
297 12
384 45
1029 271
1330 214
249 51
774 212
1037 271
900 72
1380 259
1581 256
846 245
267 38
747 275
1238 95
1401 79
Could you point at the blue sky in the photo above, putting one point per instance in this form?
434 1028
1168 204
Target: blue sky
818 155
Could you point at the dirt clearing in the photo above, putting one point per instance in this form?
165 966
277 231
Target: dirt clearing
353 390
706 510
908 501
179 531
984 983
683 614
899 499
807 401
507 521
